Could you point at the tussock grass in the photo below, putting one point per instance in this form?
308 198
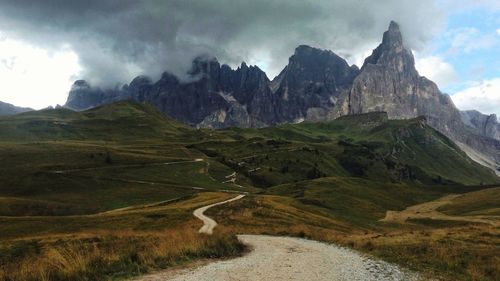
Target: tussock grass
111 255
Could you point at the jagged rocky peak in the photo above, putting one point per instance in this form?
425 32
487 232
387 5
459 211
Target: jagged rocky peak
80 84
141 80
312 84
309 60
251 70
204 64
138 88
310 65
83 96
389 82
392 53
393 35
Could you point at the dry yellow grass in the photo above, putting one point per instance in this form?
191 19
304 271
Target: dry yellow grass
98 256
447 252
117 251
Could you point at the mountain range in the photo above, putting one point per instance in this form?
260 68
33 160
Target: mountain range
316 85
9 109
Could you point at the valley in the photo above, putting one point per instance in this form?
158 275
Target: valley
115 200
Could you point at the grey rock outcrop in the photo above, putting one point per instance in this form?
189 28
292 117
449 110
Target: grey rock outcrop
482 124
83 96
312 84
389 82
217 96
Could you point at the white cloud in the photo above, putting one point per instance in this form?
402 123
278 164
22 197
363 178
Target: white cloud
470 39
437 70
483 96
35 77
498 31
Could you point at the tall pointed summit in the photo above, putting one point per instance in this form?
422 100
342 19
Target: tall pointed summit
392 53
390 82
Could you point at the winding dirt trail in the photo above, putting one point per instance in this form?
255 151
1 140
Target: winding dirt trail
208 223
285 258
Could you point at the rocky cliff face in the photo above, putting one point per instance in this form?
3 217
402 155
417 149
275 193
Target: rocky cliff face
389 82
9 109
482 124
217 96
312 85
82 96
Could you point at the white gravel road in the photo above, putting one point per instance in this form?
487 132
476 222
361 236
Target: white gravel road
286 258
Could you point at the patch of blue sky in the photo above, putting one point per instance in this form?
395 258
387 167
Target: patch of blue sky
471 44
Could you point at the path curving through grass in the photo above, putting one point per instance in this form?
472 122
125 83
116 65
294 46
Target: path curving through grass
208 223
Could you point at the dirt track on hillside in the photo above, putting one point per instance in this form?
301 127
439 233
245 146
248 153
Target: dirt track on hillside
208 223
428 210
286 258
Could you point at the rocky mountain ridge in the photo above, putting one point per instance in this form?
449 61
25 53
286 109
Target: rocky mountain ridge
316 85
9 109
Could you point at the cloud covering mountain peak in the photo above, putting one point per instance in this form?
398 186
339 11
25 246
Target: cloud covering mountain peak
118 39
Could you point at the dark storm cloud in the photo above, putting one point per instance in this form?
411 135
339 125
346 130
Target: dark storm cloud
118 39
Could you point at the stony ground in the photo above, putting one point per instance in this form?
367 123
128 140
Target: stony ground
286 258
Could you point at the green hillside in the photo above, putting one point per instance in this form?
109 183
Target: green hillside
60 162
367 146
125 175
119 121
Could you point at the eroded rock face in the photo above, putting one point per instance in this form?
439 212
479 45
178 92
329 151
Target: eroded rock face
389 82
83 96
312 84
485 125
217 96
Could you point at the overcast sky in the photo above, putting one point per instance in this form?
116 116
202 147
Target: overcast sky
46 45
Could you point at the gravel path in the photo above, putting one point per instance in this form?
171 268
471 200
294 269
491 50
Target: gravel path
208 223
286 258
